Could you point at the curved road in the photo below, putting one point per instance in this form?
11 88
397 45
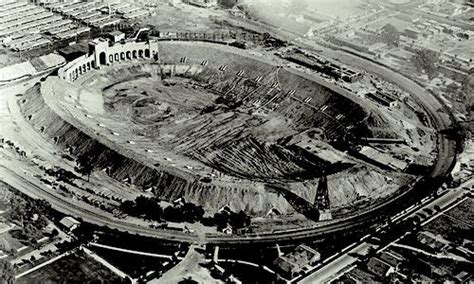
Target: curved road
446 158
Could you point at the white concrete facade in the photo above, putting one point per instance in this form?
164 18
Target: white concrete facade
102 53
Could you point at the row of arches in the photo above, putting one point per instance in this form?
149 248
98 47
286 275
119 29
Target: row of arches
124 55
105 59
81 69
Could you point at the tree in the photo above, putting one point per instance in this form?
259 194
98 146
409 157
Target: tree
41 207
241 220
149 207
426 60
128 206
30 234
228 3
7 274
390 35
235 220
17 211
191 212
85 166
42 222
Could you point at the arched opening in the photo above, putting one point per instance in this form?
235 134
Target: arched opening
129 55
147 53
134 54
117 58
111 58
84 68
79 71
122 56
88 66
102 59
140 53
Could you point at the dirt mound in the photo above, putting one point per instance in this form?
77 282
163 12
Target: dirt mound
167 186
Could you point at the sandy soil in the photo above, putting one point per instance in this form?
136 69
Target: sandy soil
190 268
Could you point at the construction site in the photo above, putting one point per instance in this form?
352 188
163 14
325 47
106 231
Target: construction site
233 132
234 141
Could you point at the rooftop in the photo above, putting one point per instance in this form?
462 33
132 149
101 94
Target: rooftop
69 222
116 33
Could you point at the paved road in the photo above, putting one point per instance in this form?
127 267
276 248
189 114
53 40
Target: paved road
326 272
42 264
167 256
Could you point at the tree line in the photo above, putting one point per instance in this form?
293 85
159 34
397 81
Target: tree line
149 208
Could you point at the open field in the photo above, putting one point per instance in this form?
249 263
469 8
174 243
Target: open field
133 265
181 17
77 267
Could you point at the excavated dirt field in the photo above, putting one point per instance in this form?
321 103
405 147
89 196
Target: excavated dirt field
254 137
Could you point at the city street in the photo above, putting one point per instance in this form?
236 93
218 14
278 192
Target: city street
327 272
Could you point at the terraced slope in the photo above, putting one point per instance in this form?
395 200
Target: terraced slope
217 131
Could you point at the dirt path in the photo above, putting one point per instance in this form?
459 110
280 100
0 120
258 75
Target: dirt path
189 268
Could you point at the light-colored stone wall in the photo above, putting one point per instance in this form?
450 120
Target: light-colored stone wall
105 54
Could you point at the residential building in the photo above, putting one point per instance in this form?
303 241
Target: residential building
300 259
69 223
